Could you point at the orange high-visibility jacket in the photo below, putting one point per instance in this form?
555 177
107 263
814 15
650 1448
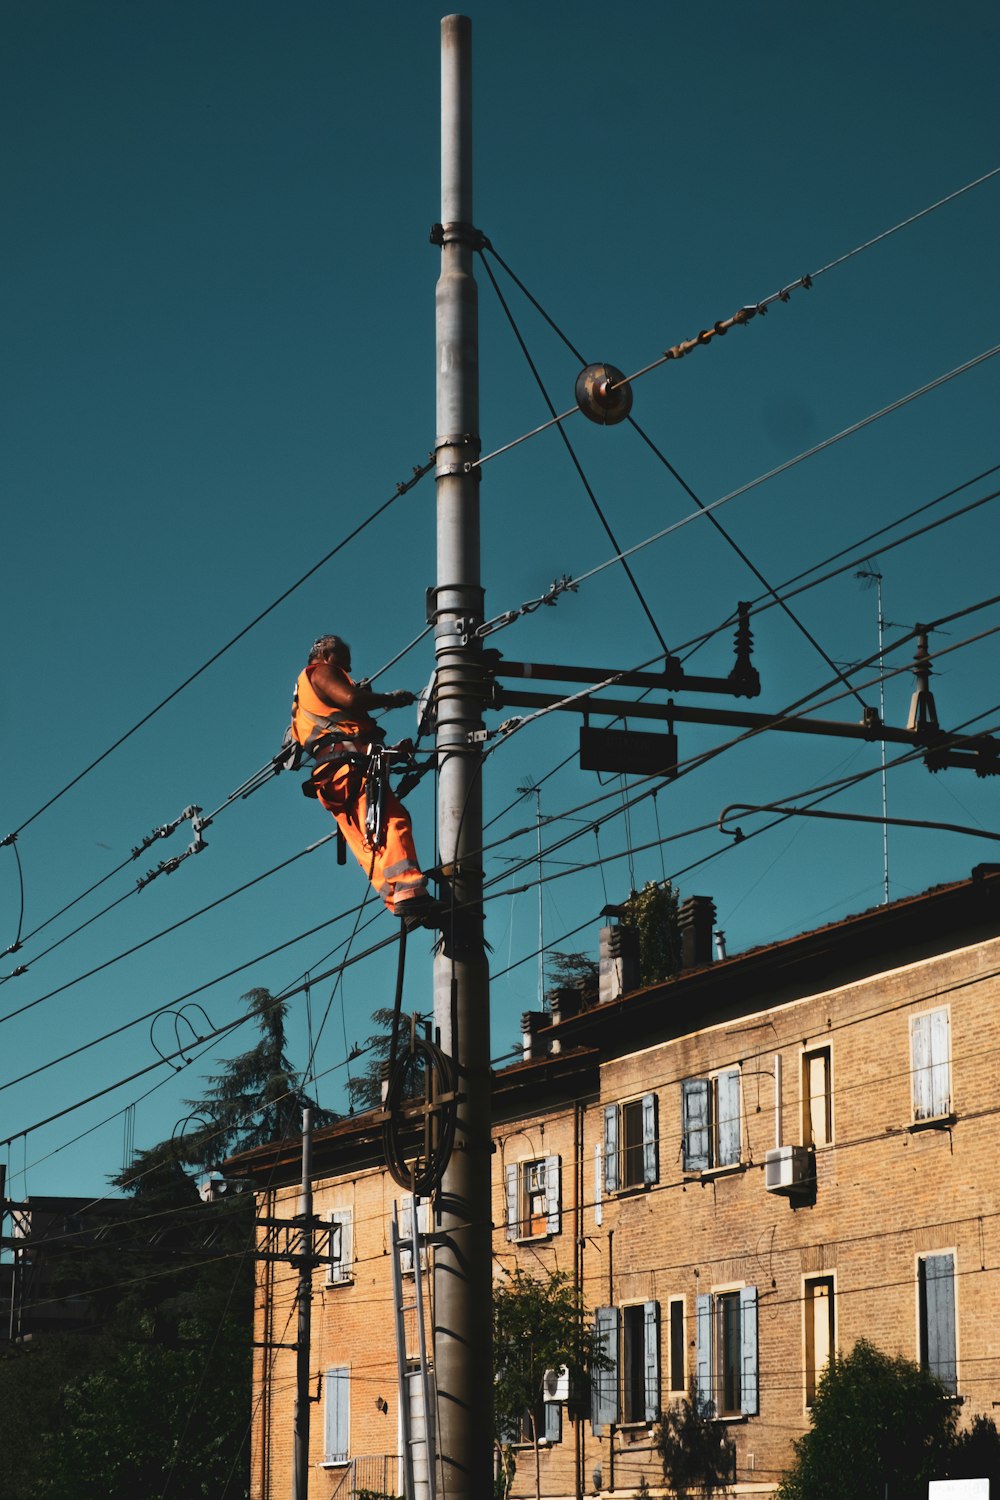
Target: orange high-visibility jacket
317 726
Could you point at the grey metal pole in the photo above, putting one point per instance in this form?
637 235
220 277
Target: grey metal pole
300 1484
463 1363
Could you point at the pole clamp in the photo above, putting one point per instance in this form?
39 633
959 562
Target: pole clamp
457 233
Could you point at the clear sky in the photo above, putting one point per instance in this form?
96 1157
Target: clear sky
218 325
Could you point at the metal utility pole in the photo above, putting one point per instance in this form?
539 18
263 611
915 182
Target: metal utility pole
300 1486
463 1364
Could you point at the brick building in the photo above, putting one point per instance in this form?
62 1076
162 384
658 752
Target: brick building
753 1163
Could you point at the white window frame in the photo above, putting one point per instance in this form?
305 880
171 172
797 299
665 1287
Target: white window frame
814 1366
810 1137
676 1305
340 1267
930 1065
534 1182
704 1146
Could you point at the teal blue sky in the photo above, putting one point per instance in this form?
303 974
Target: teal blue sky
218 318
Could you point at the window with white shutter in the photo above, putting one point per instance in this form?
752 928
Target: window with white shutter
533 1192
340 1270
337 1416
712 1121
930 1063
631 1144
726 1358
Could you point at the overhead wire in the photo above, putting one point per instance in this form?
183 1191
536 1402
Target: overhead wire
742 317
401 489
662 458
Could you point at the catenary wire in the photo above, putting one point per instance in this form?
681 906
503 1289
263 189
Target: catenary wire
672 470
401 489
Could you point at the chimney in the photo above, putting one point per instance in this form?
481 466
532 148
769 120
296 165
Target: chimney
531 1022
696 919
619 962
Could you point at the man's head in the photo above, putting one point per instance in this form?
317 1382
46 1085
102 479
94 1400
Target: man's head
331 648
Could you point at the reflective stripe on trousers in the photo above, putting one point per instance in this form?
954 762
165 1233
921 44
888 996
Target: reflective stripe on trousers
394 871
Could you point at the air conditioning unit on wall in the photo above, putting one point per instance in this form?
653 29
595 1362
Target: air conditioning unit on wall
790 1169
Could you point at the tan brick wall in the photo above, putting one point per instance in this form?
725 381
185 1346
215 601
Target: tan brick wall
885 1195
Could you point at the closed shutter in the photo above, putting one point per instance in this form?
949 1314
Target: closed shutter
940 1082
552 1422
553 1175
337 1416
729 1132
604 1383
341 1245
650 1143
651 1354
939 1319
920 1042
703 1351
611 1148
513 1227
694 1124
749 1396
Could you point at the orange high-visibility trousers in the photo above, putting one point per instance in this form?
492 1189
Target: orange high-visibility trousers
393 871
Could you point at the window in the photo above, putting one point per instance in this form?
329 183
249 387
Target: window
818 1305
817 1097
726 1357
337 1416
628 1391
533 1189
340 1270
930 1060
711 1121
936 1295
405 1221
630 1144
677 1363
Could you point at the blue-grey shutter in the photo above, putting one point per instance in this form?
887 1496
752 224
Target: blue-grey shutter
650 1143
727 1087
651 1356
337 1416
511 1175
695 1124
703 1350
552 1422
749 1395
611 1148
553 1215
604 1383
939 1303
940 1083
920 1037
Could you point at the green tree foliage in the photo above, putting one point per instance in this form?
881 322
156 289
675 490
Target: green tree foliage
881 1426
695 1448
365 1089
154 1398
653 913
538 1325
976 1454
574 971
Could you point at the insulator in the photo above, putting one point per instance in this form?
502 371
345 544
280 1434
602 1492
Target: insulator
603 394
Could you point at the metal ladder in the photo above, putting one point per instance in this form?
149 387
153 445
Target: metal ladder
416 1384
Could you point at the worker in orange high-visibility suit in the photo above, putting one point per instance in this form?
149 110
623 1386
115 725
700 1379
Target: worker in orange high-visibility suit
331 720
